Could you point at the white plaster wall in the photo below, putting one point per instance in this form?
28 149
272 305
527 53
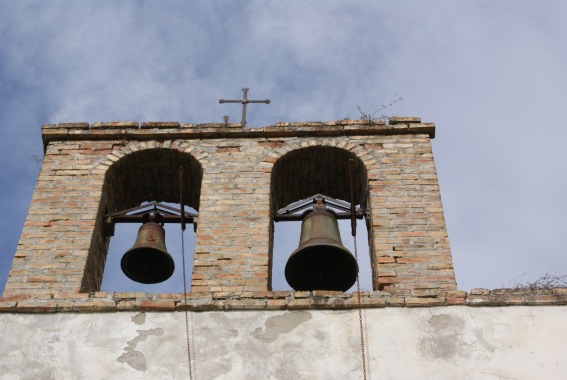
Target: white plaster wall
455 342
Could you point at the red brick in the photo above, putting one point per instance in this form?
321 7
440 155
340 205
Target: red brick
157 305
233 241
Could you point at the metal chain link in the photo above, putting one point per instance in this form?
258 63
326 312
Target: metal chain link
353 231
184 271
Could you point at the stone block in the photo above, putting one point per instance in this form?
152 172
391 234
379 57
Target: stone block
479 291
95 305
276 304
80 126
157 305
7 306
129 295
424 302
403 120
115 125
455 301
299 303
455 294
159 125
394 301
36 306
330 294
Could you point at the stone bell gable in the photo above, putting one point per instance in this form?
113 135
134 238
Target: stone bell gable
413 323
236 178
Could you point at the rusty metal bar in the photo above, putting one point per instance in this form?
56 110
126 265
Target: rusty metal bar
138 219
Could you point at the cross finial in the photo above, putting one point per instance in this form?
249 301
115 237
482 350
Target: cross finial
244 102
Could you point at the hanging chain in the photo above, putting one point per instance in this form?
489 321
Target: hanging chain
353 231
184 271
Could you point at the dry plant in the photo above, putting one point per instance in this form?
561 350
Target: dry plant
548 281
371 117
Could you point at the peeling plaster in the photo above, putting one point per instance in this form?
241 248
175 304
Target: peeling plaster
464 343
139 318
280 324
445 340
136 359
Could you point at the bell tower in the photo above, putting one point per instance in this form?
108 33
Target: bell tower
237 185
238 179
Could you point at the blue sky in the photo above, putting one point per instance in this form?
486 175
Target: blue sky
490 74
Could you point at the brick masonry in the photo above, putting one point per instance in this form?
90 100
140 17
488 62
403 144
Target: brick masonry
236 178
277 300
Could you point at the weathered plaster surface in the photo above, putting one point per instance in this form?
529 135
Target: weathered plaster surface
456 342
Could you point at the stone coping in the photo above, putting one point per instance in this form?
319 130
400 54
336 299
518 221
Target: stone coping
277 300
132 130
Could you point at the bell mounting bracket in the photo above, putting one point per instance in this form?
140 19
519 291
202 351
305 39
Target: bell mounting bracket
341 209
140 214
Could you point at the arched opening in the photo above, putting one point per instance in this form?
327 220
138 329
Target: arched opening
299 175
150 175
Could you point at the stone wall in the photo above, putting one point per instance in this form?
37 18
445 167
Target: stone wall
56 323
457 342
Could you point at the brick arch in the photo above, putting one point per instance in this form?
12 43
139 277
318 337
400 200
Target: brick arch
134 146
137 173
301 170
152 175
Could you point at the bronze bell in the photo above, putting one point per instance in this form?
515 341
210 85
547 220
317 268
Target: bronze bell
148 261
321 262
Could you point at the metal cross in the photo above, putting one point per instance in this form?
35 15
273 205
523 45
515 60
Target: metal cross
244 102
